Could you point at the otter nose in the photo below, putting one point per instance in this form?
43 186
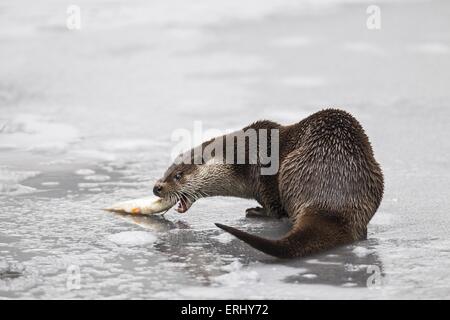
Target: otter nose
157 189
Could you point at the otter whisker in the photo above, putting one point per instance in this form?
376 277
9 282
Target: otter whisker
197 194
189 194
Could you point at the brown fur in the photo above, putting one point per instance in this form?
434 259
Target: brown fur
329 184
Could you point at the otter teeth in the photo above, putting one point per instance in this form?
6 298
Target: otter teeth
180 207
183 205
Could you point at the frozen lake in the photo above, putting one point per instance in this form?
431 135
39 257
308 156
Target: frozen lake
86 118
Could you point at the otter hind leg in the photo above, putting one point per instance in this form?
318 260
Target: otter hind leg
256 212
312 233
261 212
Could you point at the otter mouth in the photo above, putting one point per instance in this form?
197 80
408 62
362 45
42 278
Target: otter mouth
183 204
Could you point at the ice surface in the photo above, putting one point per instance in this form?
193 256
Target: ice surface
303 82
85 172
432 48
224 237
237 276
33 132
10 181
86 119
132 238
98 177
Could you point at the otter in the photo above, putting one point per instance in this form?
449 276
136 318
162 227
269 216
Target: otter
328 183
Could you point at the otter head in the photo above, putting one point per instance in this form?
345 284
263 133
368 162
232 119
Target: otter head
193 176
183 184
178 185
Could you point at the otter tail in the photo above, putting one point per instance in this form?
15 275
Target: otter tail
311 234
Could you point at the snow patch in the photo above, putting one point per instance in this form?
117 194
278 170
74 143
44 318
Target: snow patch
224 238
237 276
362 252
98 178
309 275
50 183
349 285
85 172
36 133
10 181
132 238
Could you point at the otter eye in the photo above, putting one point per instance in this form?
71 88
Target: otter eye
178 176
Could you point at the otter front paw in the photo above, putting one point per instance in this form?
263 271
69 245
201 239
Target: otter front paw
257 212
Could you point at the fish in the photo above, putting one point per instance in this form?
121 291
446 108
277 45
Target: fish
144 206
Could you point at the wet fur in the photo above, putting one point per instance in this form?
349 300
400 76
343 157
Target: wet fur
329 184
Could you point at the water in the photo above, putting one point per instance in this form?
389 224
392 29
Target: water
86 119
